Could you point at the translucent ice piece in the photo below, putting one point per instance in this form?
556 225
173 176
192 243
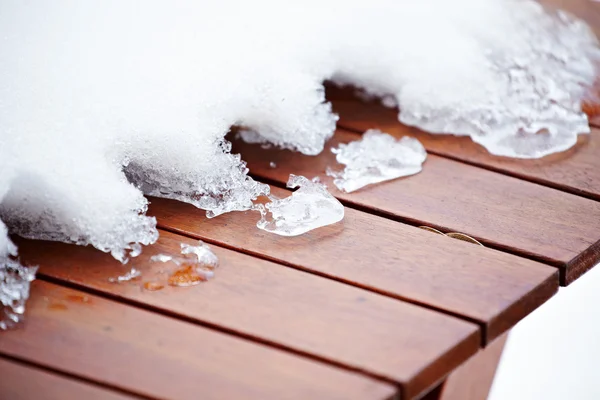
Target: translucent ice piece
205 256
377 157
129 275
195 264
15 280
161 258
308 208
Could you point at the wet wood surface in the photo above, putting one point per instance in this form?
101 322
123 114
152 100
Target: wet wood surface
277 305
401 261
22 382
156 356
500 211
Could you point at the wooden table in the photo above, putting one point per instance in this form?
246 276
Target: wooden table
370 308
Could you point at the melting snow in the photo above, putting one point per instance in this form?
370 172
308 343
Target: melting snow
376 157
308 208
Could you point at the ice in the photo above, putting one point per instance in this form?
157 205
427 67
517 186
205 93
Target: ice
204 255
161 258
195 264
15 280
308 208
132 274
376 157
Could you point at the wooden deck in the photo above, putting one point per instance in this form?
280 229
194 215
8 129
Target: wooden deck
370 308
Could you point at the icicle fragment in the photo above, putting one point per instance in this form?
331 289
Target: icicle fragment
376 157
308 208
15 281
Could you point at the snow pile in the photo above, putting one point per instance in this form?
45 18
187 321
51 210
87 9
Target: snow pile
103 102
376 157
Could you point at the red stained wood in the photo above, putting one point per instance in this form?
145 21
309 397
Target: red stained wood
304 313
401 261
21 382
500 211
160 357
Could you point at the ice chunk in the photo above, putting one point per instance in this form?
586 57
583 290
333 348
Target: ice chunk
15 280
376 157
161 258
204 255
308 208
133 273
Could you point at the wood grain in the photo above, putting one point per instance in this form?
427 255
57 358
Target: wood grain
588 10
575 170
160 357
398 260
280 306
500 211
22 382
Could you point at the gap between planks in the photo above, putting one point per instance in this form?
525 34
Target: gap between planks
430 365
482 326
218 328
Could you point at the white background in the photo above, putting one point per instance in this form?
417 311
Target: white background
554 353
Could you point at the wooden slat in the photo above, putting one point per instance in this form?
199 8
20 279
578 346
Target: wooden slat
277 305
501 211
483 285
588 10
21 382
160 357
575 171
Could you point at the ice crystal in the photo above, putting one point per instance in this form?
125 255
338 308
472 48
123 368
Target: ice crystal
15 280
376 157
308 208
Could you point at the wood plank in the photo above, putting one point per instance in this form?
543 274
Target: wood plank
304 313
492 288
21 382
160 357
588 10
500 211
575 171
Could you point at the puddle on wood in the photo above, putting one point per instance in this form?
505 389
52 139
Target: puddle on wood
186 276
78 298
153 286
55 305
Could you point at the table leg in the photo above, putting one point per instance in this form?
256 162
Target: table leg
473 379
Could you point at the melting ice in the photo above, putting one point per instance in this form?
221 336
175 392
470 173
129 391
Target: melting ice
376 157
308 208
15 280
195 264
